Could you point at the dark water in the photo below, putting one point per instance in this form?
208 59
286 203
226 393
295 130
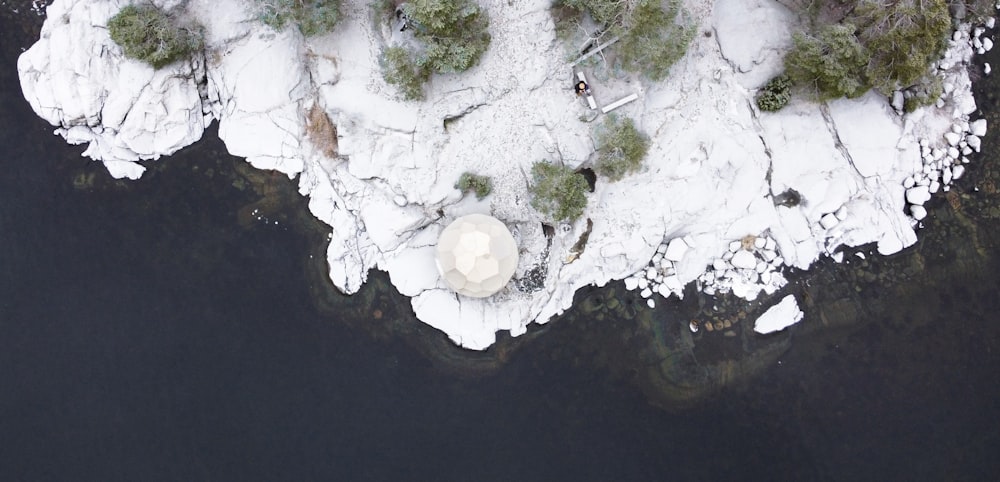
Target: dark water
149 332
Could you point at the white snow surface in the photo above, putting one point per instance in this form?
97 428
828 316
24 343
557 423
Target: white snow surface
714 167
783 314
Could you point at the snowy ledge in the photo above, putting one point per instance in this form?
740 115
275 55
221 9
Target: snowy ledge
708 207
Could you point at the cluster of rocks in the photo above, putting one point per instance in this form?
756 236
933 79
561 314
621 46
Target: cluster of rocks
660 275
829 220
750 264
980 43
943 159
942 164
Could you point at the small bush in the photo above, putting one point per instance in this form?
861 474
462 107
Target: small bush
621 148
481 185
557 192
148 34
833 62
312 17
775 94
400 69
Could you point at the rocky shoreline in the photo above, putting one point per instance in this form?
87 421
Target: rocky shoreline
865 182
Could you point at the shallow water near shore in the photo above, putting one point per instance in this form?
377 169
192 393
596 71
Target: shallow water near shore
179 327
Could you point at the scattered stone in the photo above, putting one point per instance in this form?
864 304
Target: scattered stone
631 283
650 303
744 260
918 195
957 171
918 212
978 128
973 141
663 290
673 283
952 139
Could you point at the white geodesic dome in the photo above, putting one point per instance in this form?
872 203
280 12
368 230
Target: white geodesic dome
476 255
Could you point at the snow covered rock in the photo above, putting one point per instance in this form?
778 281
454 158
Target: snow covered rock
76 78
778 317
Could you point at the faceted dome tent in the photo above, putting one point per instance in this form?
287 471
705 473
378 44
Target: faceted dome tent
476 255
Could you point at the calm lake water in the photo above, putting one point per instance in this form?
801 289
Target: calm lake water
152 331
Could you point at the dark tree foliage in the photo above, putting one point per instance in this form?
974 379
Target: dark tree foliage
832 61
312 17
148 34
452 35
887 44
652 36
653 41
557 192
903 38
621 148
454 32
399 68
